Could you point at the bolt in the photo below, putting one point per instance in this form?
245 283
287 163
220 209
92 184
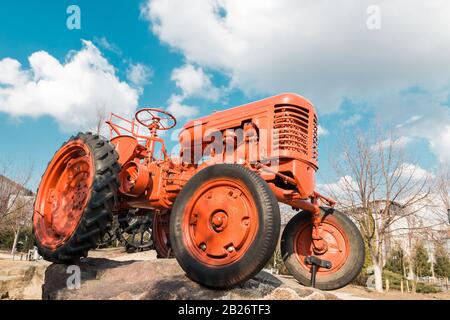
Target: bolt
230 249
217 220
203 246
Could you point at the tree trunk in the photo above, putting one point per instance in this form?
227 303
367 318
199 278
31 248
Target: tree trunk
411 275
403 267
377 264
16 238
378 275
432 267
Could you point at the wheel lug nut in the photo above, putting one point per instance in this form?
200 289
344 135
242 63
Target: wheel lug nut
203 246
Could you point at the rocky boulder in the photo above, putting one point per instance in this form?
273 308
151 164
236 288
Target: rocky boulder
103 278
21 279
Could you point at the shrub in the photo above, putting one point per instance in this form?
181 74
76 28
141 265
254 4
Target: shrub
279 264
395 280
442 265
421 265
396 261
24 242
426 288
6 238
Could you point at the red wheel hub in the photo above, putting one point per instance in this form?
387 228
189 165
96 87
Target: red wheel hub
337 245
63 194
220 222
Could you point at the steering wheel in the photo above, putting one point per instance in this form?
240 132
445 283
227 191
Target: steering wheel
156 119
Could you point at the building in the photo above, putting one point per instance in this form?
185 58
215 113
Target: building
13 195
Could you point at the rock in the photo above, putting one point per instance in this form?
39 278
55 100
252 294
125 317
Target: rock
161 279
21 279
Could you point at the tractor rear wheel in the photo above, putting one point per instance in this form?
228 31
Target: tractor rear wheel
345 249
76 196
160 236
224 225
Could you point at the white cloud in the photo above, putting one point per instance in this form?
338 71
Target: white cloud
103 43
193 83
321 131
10 73
339 189
409 121
346 189
308 49
432 125
179 109
440 144
352 120
415 172
72 92
400 142
139 74
322 50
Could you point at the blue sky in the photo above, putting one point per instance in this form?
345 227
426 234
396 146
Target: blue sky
356 77
41 25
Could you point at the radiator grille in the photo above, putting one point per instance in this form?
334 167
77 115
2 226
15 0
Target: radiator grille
291 124
315 144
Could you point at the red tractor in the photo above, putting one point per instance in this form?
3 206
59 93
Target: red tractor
214 206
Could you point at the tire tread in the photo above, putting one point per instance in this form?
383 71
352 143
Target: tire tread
97 217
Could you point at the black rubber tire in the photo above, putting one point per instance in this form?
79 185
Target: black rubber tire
162 251
97 217
352 266
260 250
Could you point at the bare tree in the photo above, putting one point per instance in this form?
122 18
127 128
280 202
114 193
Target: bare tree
378 189
20 217
98 123
441 204
12 188
443 192
15 199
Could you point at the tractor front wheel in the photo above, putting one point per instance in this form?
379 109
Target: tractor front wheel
224 225
345 249
74 203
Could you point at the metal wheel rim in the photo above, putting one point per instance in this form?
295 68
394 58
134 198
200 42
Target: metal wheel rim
63 194
224 244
